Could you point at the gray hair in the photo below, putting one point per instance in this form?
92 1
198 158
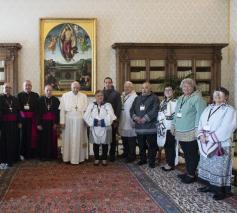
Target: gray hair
27 81
189 81
129 83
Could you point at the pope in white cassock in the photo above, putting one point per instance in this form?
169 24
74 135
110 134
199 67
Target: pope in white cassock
75 142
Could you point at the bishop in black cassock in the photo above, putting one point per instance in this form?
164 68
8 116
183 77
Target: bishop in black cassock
10 123
28 106
48 119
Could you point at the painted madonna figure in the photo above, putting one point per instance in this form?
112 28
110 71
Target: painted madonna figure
99 116
216 126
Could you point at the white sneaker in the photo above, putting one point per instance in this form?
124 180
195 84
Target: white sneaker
2 166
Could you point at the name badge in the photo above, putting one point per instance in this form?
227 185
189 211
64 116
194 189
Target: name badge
160 116
179 115
26 107
142 108
207 127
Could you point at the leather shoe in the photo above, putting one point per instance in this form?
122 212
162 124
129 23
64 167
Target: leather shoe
129 160
181 176
141 162
96 163
219 196
167 170
188 179
112 158
204 189
152 165
104 162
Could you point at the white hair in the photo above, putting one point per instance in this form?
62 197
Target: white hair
189 81
75 83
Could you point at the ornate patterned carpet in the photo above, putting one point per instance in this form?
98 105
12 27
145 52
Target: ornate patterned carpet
57 187
184 195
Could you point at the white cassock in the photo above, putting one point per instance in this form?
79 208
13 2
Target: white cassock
75 140
103 113
126 124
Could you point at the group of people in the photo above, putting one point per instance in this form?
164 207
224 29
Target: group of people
204 133
28 125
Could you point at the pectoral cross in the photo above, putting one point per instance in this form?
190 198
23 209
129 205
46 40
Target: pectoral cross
76 108
48 107
10 108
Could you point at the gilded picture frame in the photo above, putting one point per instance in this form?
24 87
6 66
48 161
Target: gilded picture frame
67 54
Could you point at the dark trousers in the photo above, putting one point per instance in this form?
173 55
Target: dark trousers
9 142
113 144
26 140
96 148
150 142
129 145
170 152
191 156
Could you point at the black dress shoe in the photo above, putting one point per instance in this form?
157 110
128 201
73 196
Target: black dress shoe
219 196
141 162
167 170
181 176
112 158
204 189
123 155
129 160
9 164
152 165
187 179
96 163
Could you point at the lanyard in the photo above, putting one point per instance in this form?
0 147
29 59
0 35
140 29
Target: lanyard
145 99
125 98
183 102
48 105
28 99
163 105
212 113
98 108
9 104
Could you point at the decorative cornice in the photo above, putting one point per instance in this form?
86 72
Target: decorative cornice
16 46
168 45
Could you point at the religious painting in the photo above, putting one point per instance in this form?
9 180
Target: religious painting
68 54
